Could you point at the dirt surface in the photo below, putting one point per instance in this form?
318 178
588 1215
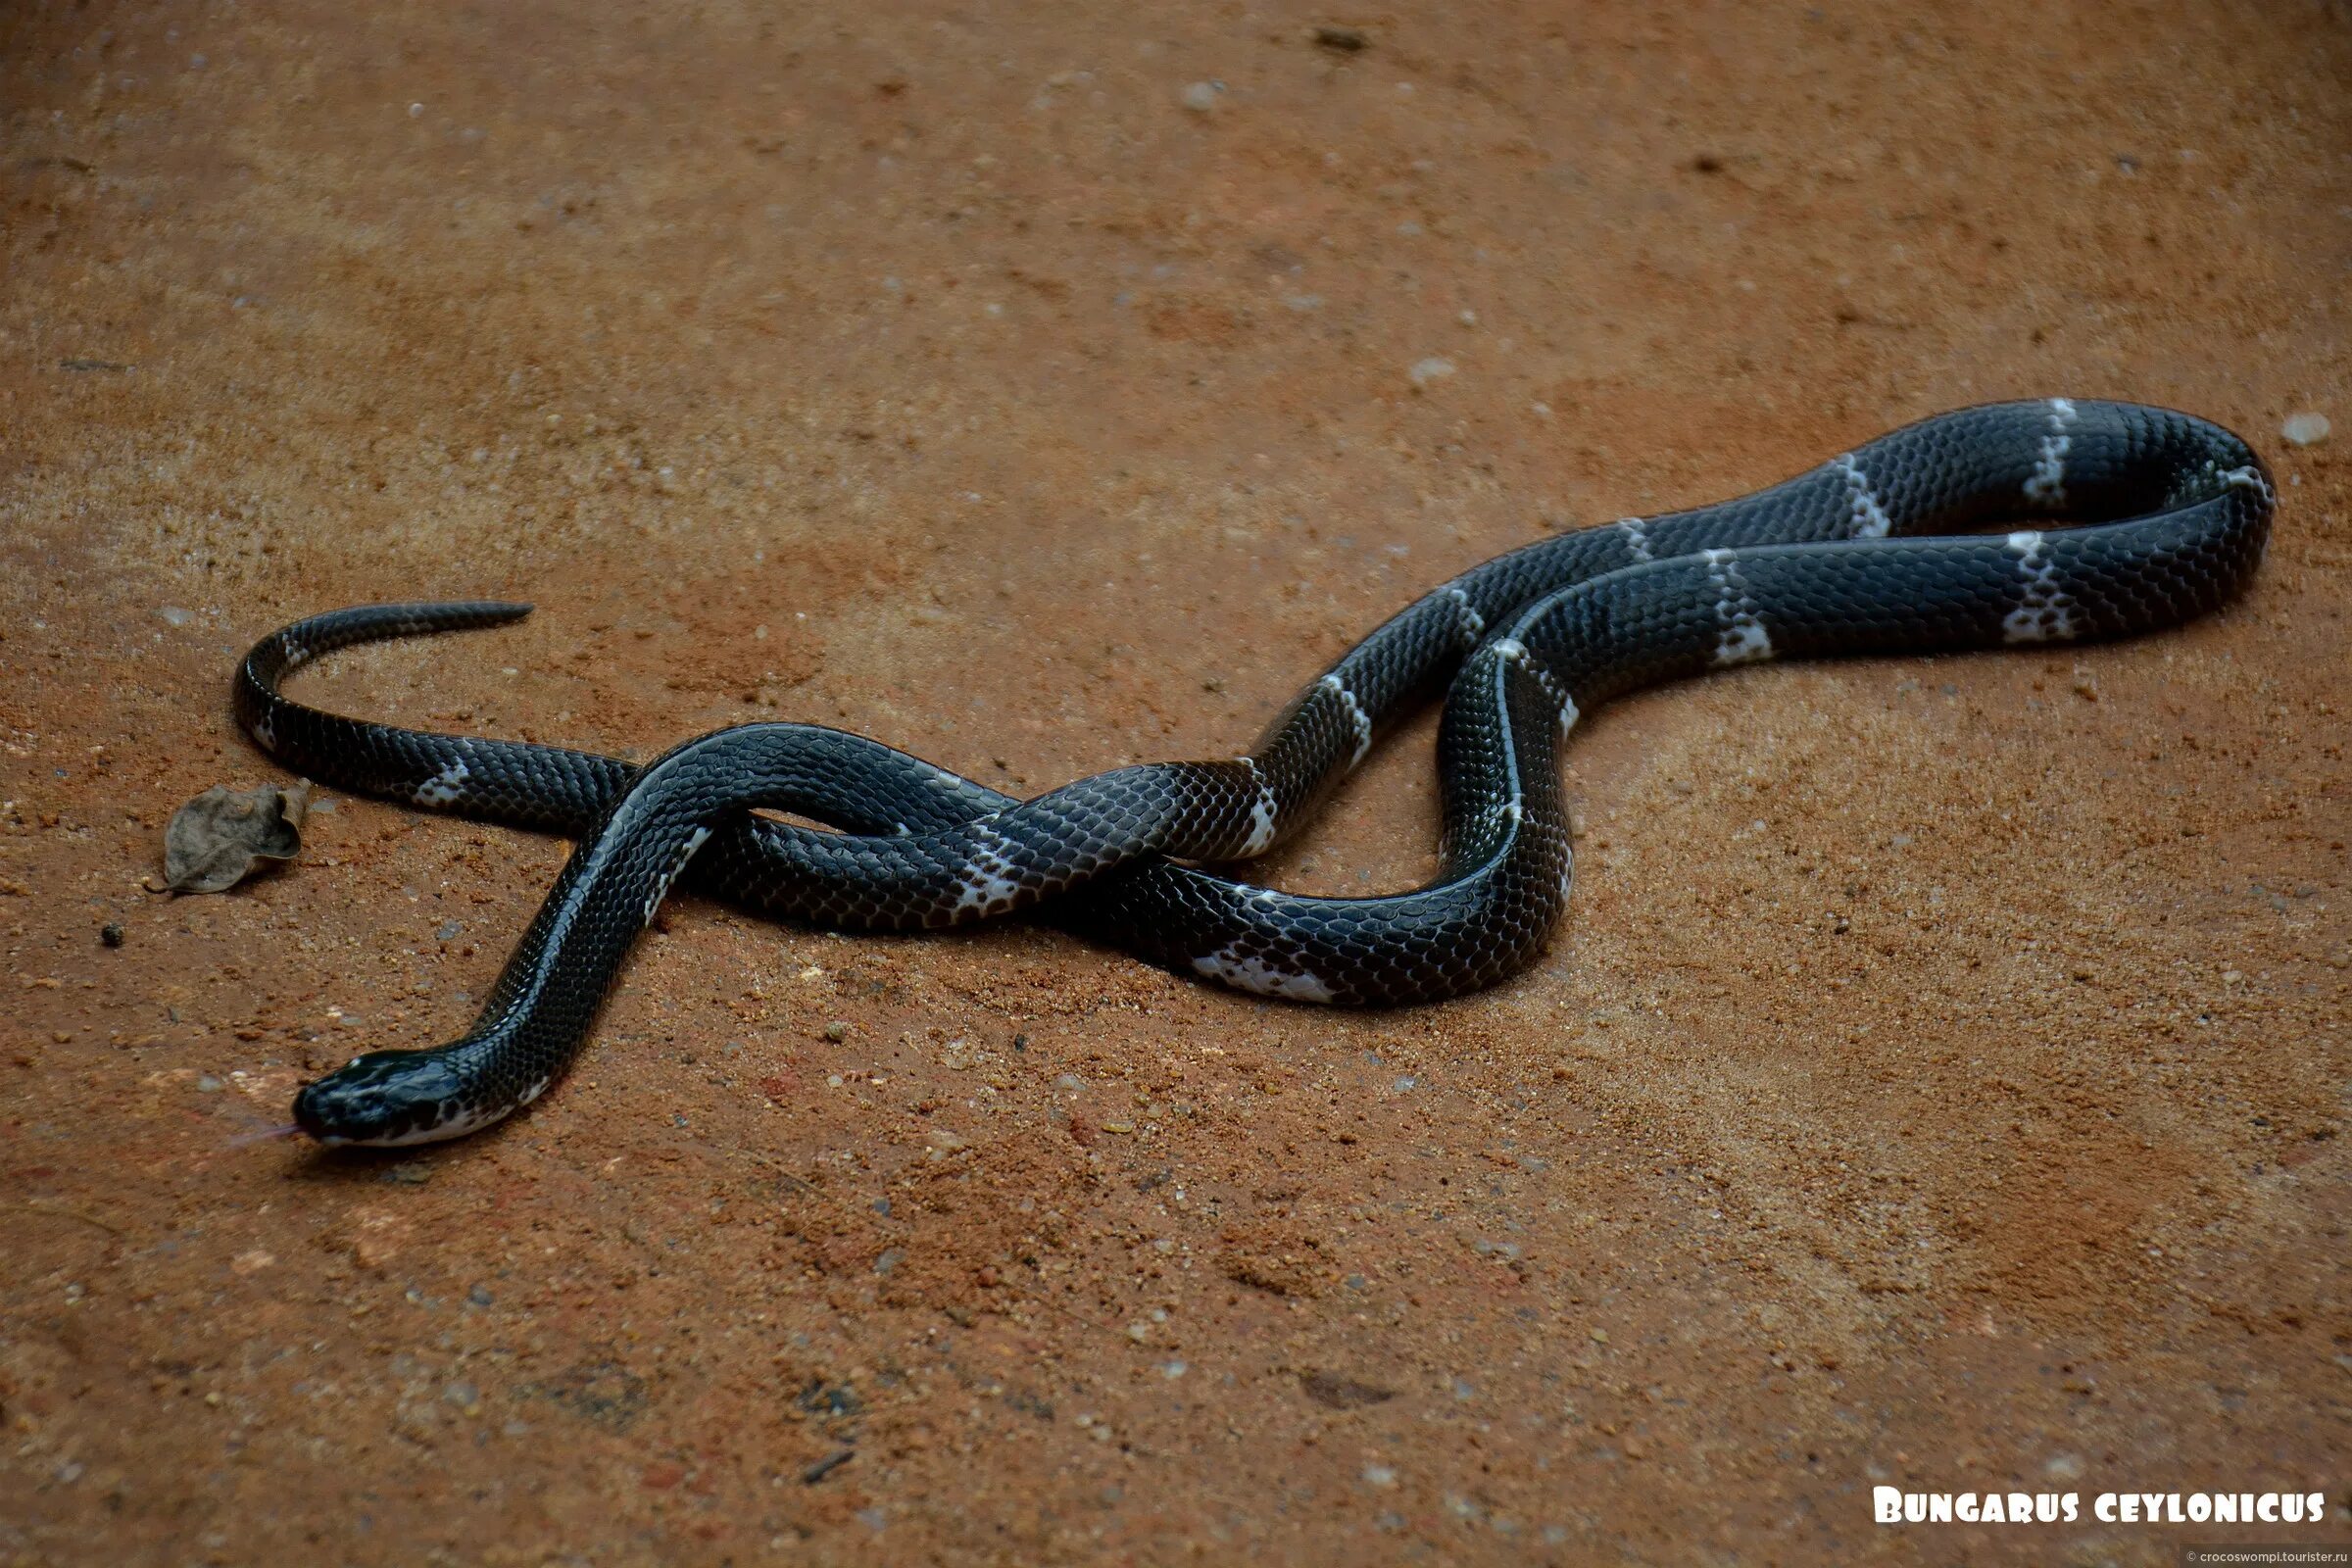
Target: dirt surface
1940 1081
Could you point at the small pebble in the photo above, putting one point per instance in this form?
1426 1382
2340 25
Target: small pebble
480 1295
1430 369
1343 40
448 931
173 616
111 934
1202 96
2305 429
837 1031
207 1084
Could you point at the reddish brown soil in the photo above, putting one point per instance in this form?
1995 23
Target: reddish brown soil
1940 1078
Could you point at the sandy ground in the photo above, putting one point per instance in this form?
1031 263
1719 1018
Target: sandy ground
1940 1079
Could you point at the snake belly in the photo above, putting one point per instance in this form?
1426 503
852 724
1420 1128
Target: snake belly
1869 553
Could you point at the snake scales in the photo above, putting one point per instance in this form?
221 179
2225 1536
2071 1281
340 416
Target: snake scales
1869 553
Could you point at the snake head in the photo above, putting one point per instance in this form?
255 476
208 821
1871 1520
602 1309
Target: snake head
386 1099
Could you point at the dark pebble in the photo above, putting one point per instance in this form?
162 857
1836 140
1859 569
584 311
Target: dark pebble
111 934
1336 1392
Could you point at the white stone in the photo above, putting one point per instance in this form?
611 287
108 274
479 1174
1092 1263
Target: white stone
2305 429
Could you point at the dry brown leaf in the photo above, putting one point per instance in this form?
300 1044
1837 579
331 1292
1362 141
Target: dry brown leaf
214 840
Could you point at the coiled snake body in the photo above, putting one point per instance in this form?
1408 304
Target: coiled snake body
1867 554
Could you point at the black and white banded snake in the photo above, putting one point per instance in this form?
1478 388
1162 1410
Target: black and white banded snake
1869 553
